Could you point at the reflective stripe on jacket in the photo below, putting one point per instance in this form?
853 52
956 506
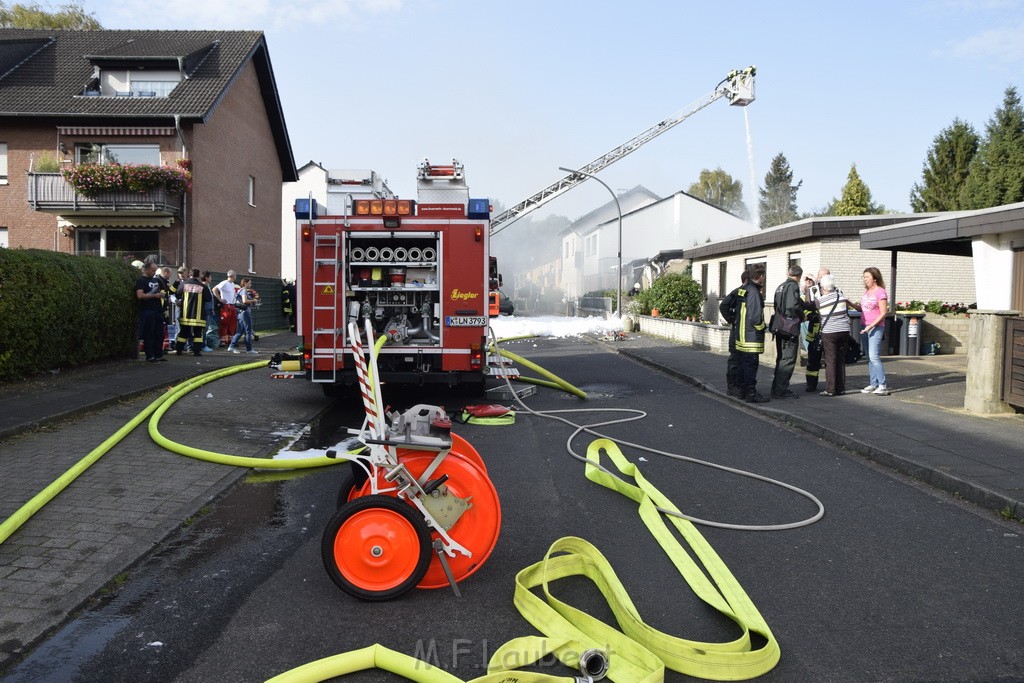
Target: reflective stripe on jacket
749 324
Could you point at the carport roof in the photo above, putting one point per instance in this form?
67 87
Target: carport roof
798 231
948 233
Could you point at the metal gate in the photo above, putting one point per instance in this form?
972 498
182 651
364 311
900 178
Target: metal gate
1013 363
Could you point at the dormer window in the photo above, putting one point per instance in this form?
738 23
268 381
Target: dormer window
137 82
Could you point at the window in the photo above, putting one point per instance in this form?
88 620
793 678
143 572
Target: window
252 191
134 83
704 279
117 243
252 258
794 259
3 163
105 153
4 243
723 281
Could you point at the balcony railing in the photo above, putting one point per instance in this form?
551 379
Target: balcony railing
50 192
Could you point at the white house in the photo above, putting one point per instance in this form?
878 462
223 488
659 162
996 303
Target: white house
312 181
590 246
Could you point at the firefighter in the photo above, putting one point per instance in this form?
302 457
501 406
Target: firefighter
749 327
729 308
288 302
193 297
810 293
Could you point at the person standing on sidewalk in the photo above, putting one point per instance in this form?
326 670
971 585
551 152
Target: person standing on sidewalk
244 301
811 290
224 292
873 305
748 328
212 335
787 303
150 293
192 300
729 308
835 334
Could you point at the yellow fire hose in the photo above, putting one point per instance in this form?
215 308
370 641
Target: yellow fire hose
156 409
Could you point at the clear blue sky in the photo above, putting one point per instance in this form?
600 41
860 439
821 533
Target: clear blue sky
516 88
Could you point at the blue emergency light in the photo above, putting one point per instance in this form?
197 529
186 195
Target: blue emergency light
479 208
306 209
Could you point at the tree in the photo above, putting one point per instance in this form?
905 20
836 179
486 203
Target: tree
778 198
997 170
719 189
946 169
855 199
70 17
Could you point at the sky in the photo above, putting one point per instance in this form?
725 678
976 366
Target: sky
514 89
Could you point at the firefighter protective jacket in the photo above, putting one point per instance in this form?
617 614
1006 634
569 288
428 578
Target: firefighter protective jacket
749 325
192 295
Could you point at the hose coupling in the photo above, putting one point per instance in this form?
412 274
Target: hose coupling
593 665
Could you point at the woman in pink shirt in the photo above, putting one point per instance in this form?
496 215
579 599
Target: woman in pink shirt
873 305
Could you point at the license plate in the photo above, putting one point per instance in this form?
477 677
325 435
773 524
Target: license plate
464 321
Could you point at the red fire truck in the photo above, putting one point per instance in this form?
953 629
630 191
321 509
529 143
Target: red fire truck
420 271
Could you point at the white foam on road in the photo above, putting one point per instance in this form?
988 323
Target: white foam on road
552 326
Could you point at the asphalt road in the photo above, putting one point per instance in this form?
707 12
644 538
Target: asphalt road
895 583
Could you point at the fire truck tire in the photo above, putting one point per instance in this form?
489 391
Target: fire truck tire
376 547
352 481
332 390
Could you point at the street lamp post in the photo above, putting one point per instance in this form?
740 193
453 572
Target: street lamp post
618 273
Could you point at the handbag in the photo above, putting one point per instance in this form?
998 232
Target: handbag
787 327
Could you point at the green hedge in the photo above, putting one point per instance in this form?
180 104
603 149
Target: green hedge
675 295
59 311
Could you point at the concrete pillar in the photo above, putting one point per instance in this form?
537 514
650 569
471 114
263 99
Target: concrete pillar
985 348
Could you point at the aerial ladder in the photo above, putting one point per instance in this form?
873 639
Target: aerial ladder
737 87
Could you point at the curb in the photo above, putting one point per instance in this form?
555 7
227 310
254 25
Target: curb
958 488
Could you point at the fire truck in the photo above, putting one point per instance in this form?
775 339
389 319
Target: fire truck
420 271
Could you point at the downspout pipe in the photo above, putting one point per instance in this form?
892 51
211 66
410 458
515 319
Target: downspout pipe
184 196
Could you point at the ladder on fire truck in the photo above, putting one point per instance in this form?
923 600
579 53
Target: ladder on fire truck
325 342
737 87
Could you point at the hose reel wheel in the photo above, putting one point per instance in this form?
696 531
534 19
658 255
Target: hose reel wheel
477 527
376 547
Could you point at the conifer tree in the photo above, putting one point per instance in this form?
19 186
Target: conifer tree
946 169
997 170
856 197
778 197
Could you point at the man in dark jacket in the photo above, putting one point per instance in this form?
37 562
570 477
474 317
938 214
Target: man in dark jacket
730 308
748 330
788 303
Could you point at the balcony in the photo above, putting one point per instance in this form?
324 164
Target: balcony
50 193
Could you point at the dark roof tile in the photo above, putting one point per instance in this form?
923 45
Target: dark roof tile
51 81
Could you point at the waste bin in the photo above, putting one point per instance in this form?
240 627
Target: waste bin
910 332
855 326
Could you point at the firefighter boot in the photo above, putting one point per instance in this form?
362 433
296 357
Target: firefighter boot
750 395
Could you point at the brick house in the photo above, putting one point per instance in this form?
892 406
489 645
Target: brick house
144 97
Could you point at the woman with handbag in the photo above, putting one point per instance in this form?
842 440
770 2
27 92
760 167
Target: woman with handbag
835 334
